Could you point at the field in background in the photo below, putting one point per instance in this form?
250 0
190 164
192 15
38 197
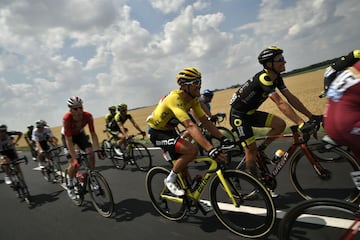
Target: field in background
305 86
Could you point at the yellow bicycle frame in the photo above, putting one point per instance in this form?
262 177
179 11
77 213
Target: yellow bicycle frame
195 195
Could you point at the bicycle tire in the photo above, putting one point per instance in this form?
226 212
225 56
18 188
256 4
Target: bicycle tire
77 188
310 185
117 160
106 148
102 198
49 171
24 189
156 189
256 214
58 170
141 156
299 222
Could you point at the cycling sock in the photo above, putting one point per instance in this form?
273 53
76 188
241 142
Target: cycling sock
171 177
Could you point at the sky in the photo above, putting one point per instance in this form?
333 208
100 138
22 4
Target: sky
129 51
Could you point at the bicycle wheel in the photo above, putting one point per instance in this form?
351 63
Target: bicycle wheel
236 158
49 171
106 148
58 170
23 189
141 156
164 202
255 216
116 158
77 188
336 161
320 218
101 194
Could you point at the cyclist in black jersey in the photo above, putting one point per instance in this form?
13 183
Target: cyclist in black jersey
248 98
28 138
120 118
7 149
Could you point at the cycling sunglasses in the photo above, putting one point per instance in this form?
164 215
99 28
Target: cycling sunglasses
196 82
76 108
281 59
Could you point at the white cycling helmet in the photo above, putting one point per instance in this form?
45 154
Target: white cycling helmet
74 101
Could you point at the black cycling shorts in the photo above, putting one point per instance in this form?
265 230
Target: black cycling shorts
168 141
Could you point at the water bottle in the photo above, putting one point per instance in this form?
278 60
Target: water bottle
277 156
196 182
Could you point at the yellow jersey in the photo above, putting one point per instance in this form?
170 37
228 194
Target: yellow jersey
173 109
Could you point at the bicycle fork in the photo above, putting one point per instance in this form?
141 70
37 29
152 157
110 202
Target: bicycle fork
225 184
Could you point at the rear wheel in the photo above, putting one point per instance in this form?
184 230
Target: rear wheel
100 193
165 203
255 214
106 148
335 161
141 156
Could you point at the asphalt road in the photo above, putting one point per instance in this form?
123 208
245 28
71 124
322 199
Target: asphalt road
53 216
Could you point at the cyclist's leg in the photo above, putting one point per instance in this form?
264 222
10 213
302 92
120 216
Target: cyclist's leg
179 149
268 120
82 140
242 125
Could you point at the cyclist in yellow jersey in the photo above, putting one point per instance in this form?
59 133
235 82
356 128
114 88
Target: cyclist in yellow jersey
174 109
110 122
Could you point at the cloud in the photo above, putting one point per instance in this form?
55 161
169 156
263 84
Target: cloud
100 51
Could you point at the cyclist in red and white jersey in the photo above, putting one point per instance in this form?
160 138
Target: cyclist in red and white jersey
73 133
342 112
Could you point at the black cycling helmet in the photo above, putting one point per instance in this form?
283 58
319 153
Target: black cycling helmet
268 54
3 127
208 93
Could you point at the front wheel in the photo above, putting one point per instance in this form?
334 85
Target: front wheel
141 156
319 219
101 194
254 214
330 183
165 203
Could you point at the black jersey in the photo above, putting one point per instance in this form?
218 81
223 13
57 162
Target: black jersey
255 91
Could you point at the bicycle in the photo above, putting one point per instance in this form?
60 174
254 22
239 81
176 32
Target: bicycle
314 217
18 183
87 180
135 154
217 119
240 202
313 168
52 169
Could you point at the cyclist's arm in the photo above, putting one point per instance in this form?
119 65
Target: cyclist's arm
285 108
205 109
122 128
95 140
206 123
135 125
70 146
296 103
19 135
196 134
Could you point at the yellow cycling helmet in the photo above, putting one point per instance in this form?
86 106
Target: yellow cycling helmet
112 108
188 75
122 107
